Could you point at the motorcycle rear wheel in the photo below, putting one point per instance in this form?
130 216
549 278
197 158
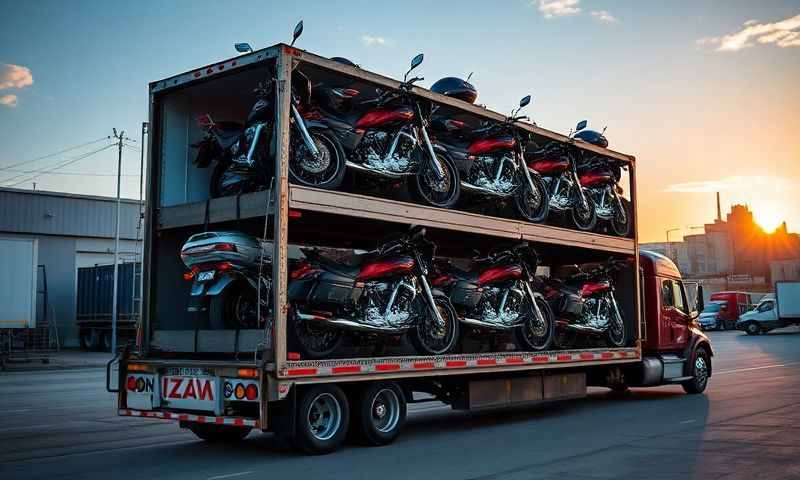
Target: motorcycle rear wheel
533 206
535 337
584 218
426 189
428 339
326 172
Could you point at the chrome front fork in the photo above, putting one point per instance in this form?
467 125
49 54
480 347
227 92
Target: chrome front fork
536 309
437 168
429 296
301 125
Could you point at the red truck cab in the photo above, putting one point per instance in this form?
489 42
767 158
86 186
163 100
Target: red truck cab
734 305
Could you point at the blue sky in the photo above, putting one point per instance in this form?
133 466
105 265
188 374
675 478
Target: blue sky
696 118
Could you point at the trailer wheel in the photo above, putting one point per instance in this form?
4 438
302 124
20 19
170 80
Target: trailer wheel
322 417
90 339
381 413
217 433
701 367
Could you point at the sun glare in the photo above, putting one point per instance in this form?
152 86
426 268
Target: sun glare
769 219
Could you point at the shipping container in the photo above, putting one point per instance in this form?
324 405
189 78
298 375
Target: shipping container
94 306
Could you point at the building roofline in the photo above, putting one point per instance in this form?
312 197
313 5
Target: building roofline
48 193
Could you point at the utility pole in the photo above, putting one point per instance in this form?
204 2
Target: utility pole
120 137
140 226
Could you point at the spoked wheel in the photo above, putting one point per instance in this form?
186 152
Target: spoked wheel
313 339
427 188
323 171
537 332
321 419
430 338
621 221
616 326
584 215
534 205
381 413
218 433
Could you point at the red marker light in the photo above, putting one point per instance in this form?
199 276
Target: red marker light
131 383
251 392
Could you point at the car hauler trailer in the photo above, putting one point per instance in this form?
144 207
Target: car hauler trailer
223 382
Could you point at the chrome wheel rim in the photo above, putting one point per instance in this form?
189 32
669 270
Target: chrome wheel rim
315 170
324 416
385 410
700 370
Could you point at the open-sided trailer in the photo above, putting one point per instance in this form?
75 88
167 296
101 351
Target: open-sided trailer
223 383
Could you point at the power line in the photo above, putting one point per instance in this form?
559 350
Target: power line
58 167
8 167
81 174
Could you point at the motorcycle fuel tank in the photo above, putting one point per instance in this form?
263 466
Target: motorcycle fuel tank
549 167
489 145
594 178
383 116
590 289
385 267
500 274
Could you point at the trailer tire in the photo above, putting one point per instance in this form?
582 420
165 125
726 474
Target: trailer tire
700 370
322 417
90 339
217 433
381 413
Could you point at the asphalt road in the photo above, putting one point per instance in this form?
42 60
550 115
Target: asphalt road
63 425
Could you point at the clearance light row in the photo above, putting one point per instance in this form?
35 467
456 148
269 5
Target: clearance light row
188 417
327 368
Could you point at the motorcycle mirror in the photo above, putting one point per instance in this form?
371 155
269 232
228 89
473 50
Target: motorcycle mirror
581 125
298 30
469 76
416 61
243 48
699 303
604 130
525 101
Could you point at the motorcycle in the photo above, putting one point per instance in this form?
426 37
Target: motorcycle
242 154
601 176
497 296
584 303
225 269
555 162
384 292
390 142
492 164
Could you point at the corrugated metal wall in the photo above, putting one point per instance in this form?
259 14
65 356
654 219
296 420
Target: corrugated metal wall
46 213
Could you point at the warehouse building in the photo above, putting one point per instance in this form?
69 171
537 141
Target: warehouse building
71 231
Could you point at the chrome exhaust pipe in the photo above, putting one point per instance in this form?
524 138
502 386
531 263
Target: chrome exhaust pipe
582 329
473 322
383 173
485 191
351 325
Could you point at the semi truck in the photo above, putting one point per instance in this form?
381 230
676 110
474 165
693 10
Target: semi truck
222 383
773 311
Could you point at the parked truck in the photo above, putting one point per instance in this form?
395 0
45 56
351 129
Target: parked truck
773 311
723 310
221 383
94 308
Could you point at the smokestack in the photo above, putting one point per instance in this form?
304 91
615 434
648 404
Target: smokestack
719 210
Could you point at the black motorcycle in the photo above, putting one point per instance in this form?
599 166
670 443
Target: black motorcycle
384 292
244 154
496 295
556 163
390 141
492 166
584 304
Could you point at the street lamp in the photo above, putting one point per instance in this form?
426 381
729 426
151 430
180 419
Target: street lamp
669 245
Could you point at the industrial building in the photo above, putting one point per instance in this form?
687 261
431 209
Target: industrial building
71 231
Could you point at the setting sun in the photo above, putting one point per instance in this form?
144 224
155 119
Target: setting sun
769 218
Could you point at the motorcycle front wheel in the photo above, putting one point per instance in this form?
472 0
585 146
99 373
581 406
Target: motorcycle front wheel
621 221
532 206
315 341
584 217
324 171
616 327
428 338
537 334
428 189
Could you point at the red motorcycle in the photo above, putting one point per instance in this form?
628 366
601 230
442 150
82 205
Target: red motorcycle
382 293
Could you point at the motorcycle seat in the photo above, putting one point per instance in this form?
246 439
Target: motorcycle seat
349 270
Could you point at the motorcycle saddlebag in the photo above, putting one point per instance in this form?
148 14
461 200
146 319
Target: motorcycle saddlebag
466 295
333 290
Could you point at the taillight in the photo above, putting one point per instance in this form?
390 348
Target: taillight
223 266
239 391
295 214
312 115
454 124
251 392
225 247
191 273
131 383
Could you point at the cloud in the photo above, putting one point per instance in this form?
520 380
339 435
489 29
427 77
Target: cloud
603 16
14 76
784 34
9 101
557 8
369 41
731 183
